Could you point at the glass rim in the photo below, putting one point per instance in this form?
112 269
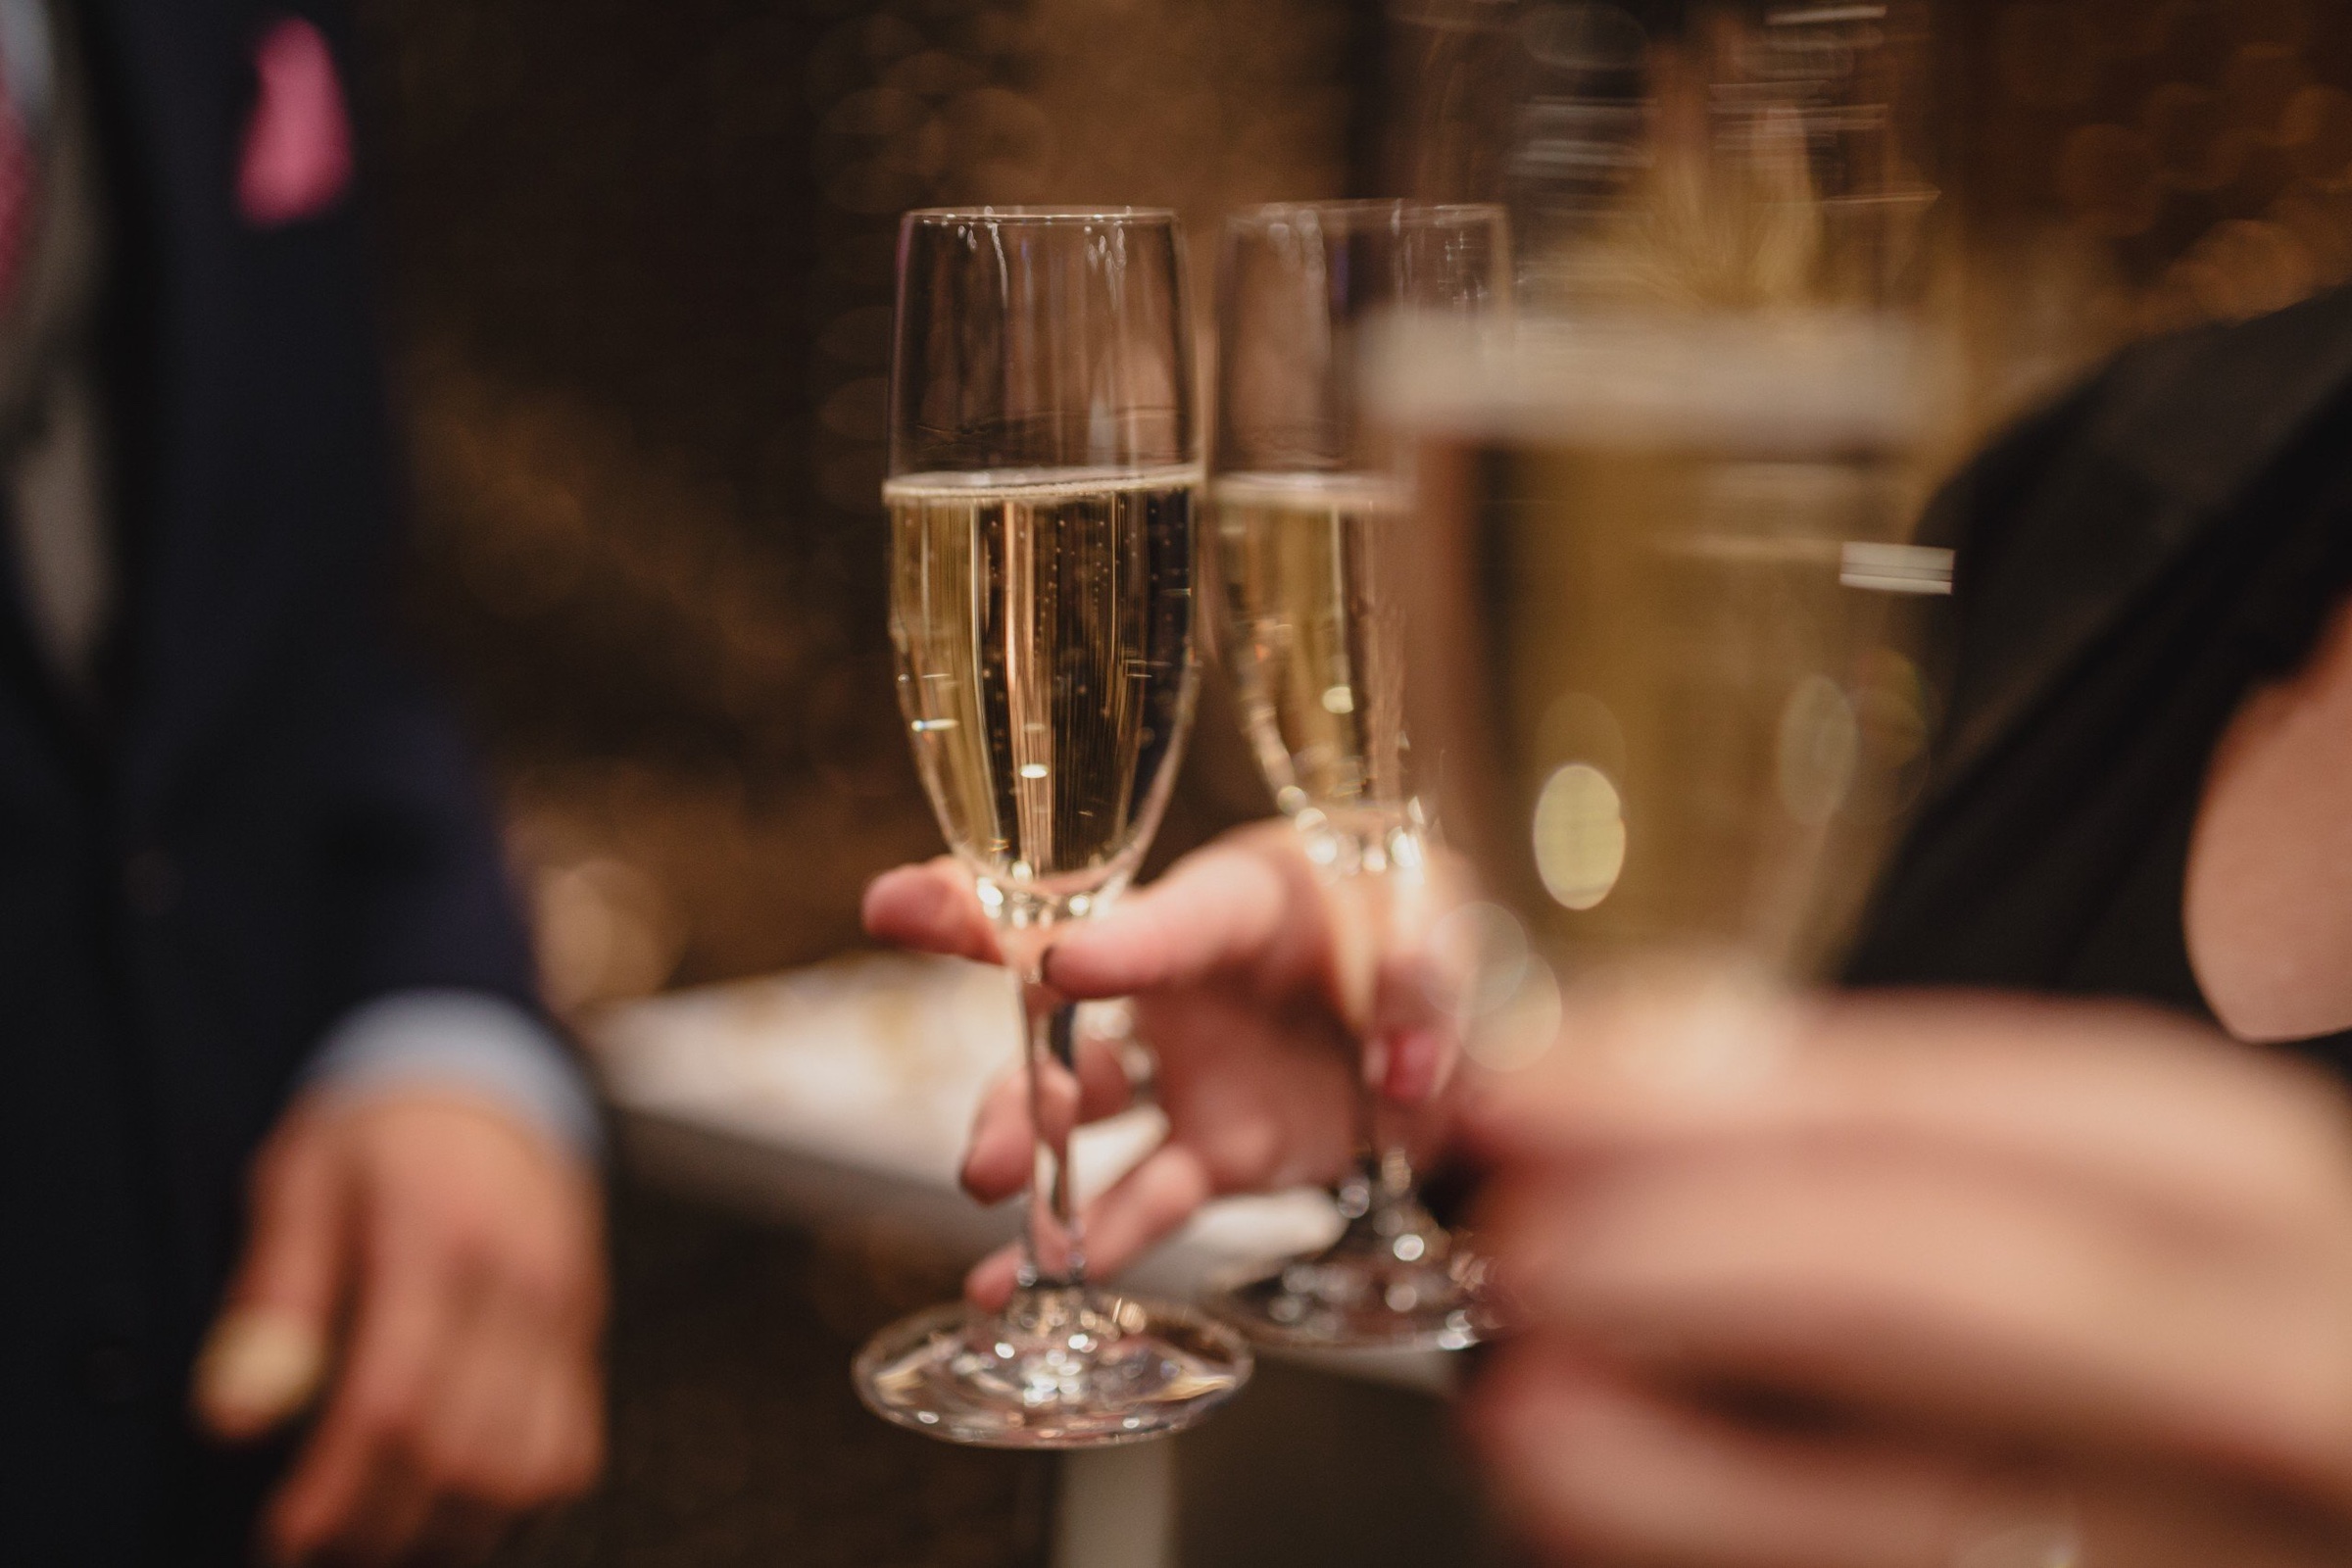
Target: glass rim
1026 213
1352 213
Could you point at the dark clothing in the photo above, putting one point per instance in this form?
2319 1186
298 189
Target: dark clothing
2130 562
269 824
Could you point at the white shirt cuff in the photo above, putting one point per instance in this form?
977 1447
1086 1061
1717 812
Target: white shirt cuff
469 1041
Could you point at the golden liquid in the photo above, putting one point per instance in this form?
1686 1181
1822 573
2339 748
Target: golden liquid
1676 713
1314 637
1045 633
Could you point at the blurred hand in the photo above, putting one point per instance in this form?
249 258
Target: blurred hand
437 1268
1235 979
1920 1283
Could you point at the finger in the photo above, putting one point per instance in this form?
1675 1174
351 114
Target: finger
566 1440
353 1480
489 1450
479 1446
1419 1061
1145 1207
930 909
388 1523
267 1354
1134 1215
385 1516
1415 1017
1943 1296
1232 905
992 1280
568 1432
1601 1468
578 1419
2127 1098
545 1449
1002 1155
1593 1466
510 1443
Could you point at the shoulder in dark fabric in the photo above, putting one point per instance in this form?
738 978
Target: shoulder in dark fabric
2129 564
2064 522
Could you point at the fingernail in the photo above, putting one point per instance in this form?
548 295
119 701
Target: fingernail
1413 1058
256 1370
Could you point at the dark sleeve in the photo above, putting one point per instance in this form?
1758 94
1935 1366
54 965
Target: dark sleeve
413 844
420 887
1977 516
2128 562
1980 515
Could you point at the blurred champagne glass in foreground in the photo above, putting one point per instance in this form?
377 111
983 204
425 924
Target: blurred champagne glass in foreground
1666 635
1666 607
1044 481
1309 523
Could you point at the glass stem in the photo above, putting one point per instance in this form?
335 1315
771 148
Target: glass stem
1362 883
1384 1157
1054 1252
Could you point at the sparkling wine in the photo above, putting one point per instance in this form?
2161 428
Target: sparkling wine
1667 621
1045 631
1313 639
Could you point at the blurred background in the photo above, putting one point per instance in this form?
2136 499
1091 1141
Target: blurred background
636 266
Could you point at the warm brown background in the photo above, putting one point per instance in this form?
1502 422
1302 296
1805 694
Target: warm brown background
2132 167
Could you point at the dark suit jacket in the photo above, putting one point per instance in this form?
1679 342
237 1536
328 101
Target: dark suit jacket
2130 563
274 823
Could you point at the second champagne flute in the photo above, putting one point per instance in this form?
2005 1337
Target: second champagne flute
1042 557
1306 519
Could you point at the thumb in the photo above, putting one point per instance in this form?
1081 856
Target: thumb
266 1357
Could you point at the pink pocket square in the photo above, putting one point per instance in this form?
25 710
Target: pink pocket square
297 160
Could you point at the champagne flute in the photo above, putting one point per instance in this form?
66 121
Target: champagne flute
1666 628
1666 611
1307 523
1043 494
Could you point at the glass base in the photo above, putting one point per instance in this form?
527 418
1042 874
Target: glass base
1395 1279
1068 1368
